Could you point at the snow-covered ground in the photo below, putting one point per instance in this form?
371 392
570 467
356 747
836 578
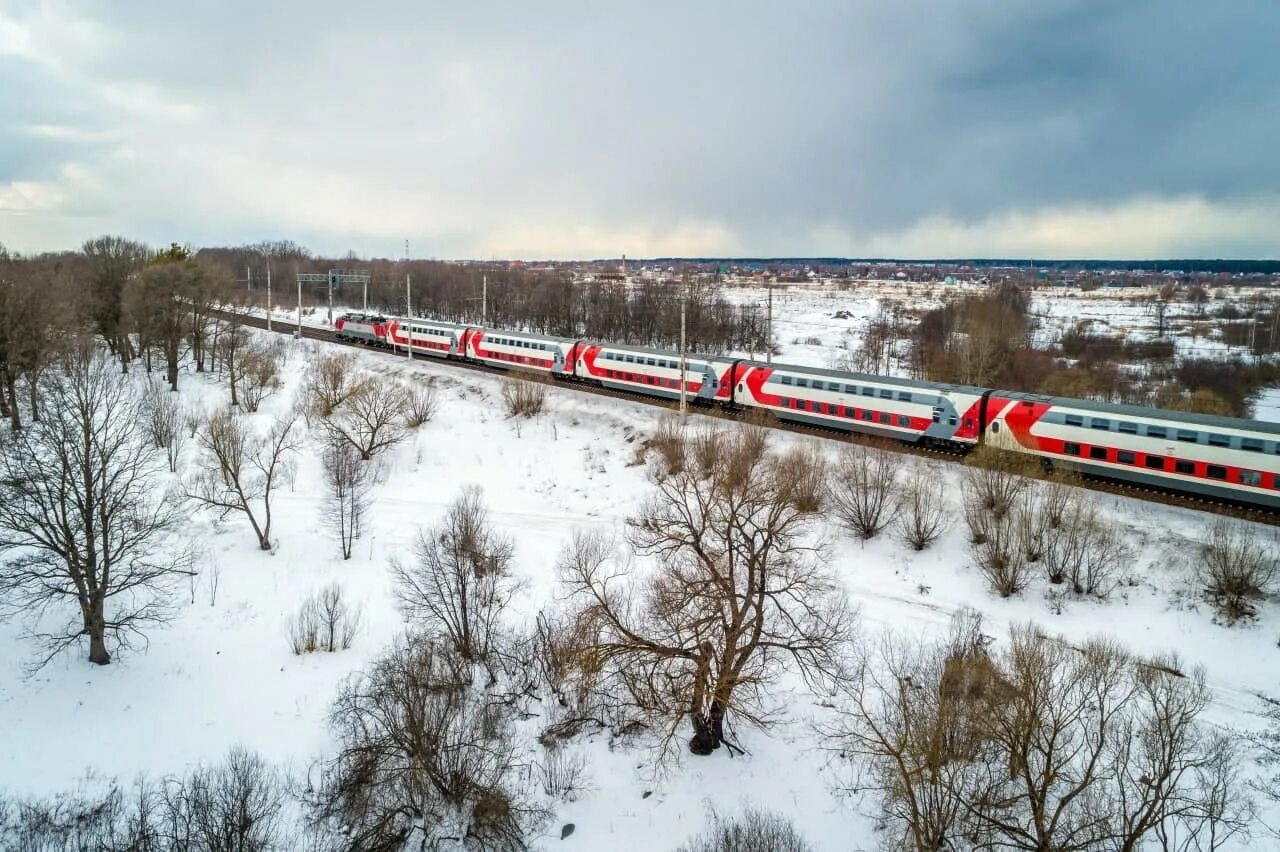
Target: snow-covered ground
222 674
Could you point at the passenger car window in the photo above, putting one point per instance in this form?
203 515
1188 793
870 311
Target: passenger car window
1128 428
1074 420
1100 423
1157 432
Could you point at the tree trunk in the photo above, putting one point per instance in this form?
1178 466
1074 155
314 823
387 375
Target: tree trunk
33 384
15 415
97 637
171 374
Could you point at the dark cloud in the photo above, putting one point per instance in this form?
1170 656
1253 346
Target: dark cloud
566 128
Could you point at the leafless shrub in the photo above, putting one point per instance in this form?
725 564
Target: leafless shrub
324 622
1237 569
1002 557
864 489
193 417
372 418
422 759
238 804
563 773
260 375
420 406
754 831
977 518
1057 497
332 379
922 509
349 479
163 412
1084 549
524 396
997 477
668 441
1040 745
459 581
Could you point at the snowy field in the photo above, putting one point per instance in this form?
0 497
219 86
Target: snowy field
221 674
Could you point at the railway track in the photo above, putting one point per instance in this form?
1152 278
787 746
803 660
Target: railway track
1105 486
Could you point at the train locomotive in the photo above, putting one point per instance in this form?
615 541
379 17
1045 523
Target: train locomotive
1220 458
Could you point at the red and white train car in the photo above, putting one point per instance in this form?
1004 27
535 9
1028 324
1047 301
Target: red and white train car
428 337
1220 457
902 409
652 371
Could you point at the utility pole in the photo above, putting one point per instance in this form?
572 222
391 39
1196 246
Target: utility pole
408 309
768 341
268 292
248 276
684 356
364 302
1160 319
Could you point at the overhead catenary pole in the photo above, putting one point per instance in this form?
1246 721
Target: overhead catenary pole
299 308
684 358
768 340
268 292
484 299
408 309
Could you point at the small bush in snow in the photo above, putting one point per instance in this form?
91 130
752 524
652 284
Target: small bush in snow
421 404
324 622
922 510
523 397
997 478
864 489
754 831
563 773
1237 569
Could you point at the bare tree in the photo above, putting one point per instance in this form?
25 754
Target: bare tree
82 518
922 509
1041 746
259 375
459 581
738 592
349 480
864 489
331 381
371 419
246 468
1237 568
423 759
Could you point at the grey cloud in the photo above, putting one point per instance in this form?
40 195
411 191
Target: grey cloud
755 127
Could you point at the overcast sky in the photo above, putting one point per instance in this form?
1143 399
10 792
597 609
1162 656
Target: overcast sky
549 129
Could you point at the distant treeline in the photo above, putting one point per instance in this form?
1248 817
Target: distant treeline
1260 267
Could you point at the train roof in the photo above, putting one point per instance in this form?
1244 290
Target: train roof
1148 412
870 377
